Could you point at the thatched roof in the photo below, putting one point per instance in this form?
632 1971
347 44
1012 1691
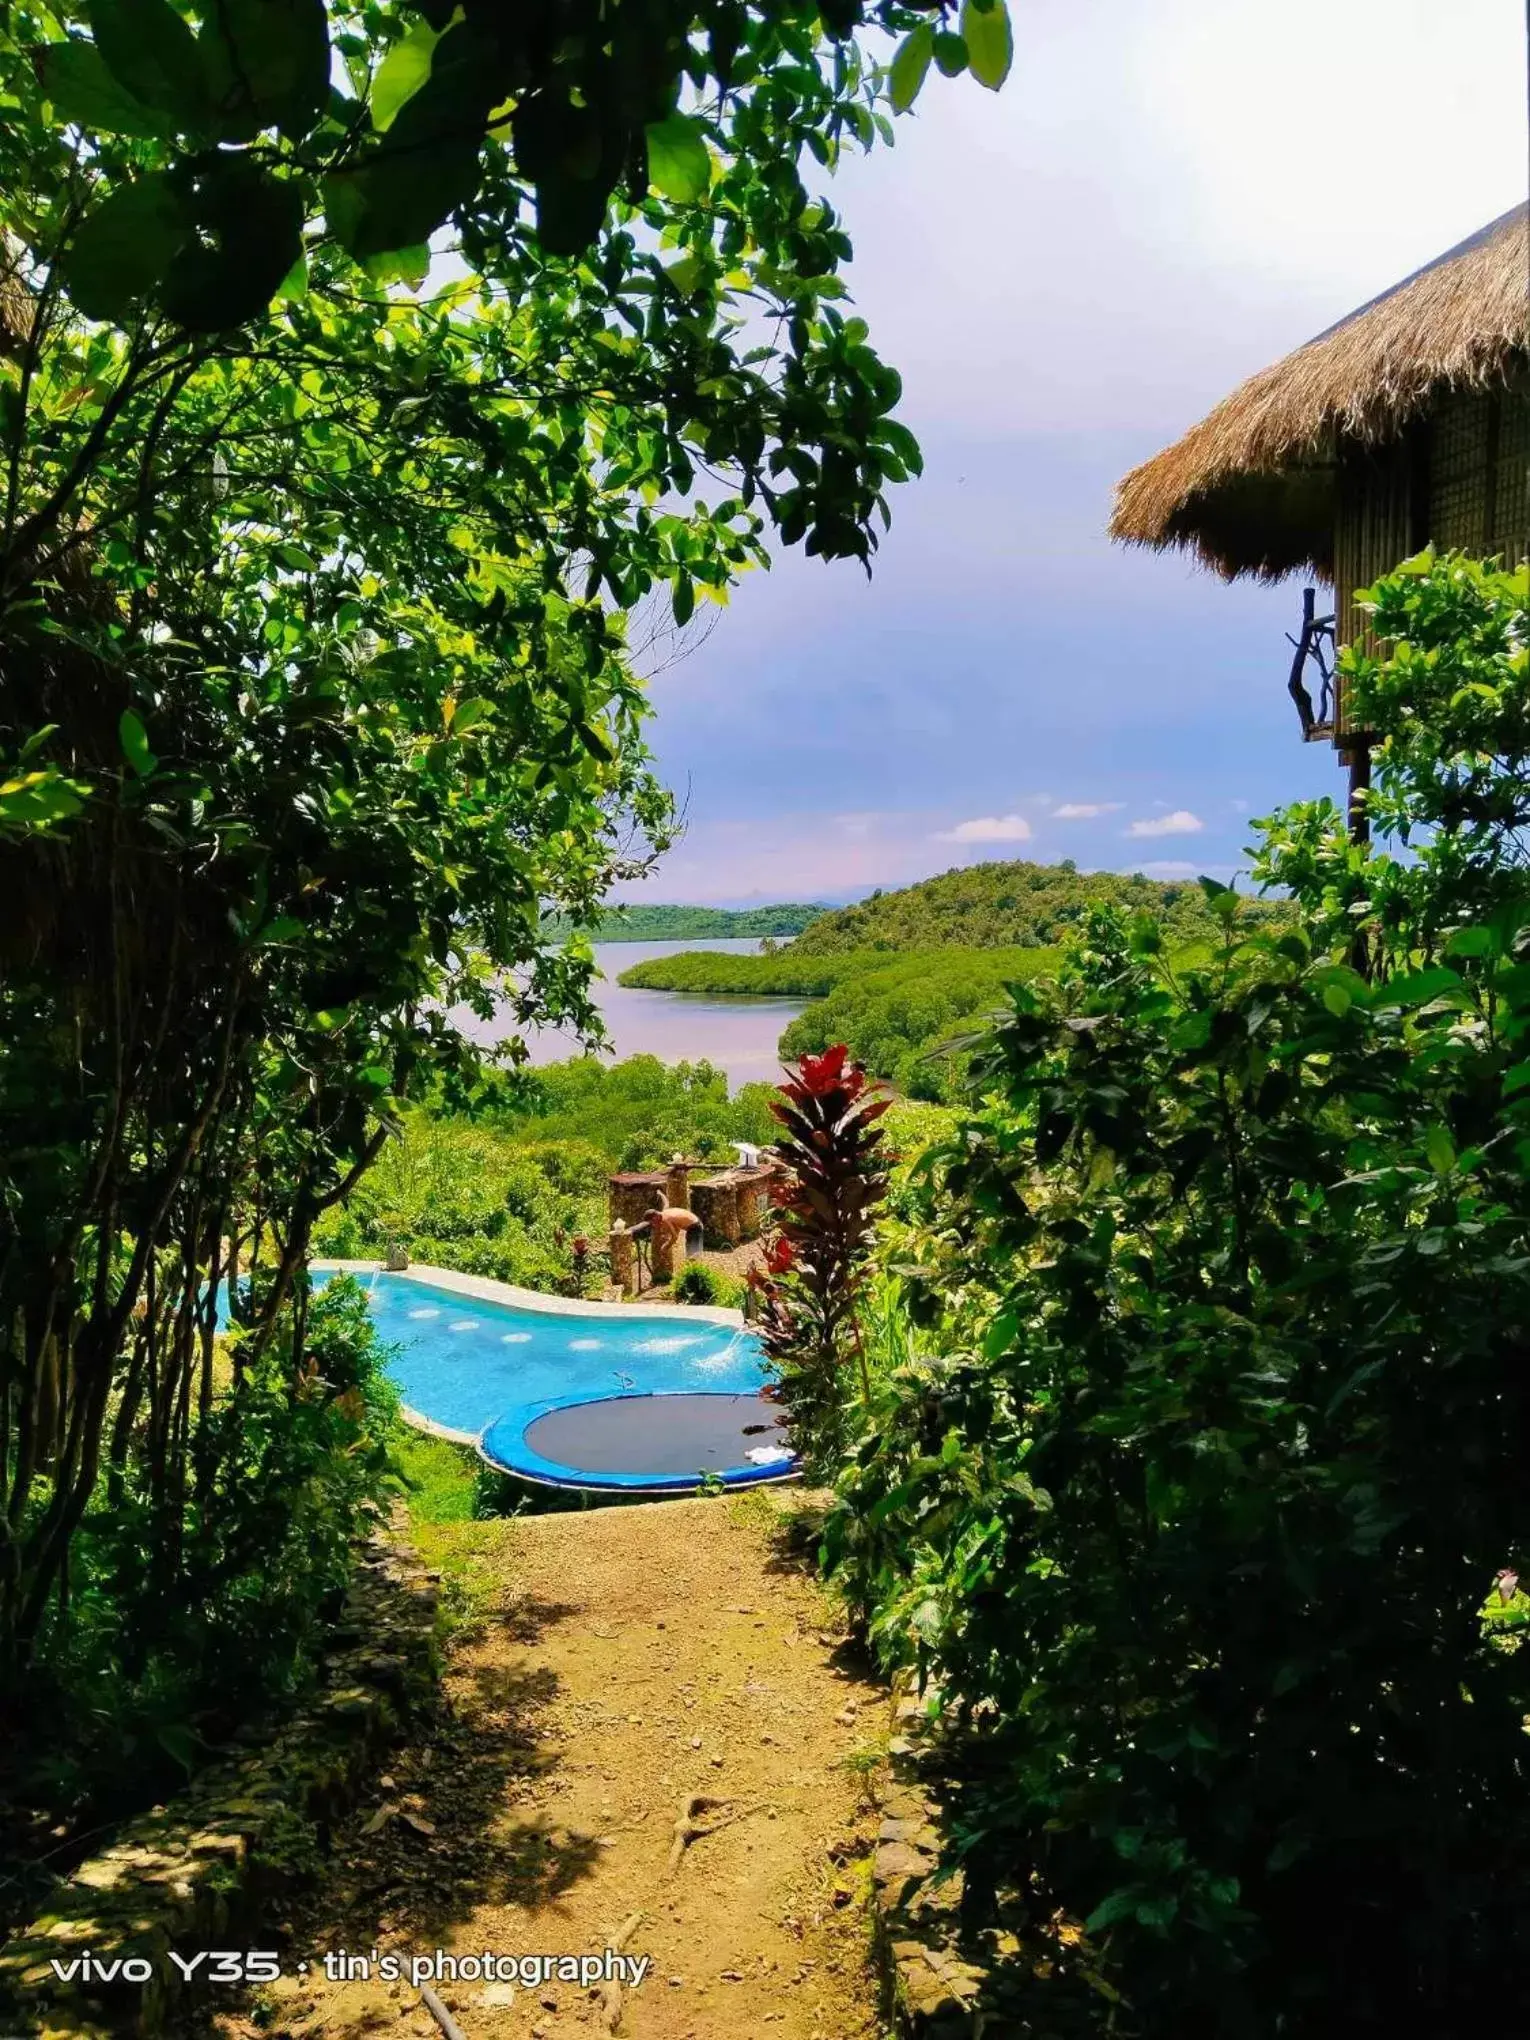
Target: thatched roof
1251 488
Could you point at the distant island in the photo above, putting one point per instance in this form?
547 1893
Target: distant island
1001 905
907 978
696 924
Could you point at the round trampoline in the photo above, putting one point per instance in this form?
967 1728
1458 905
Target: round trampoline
654 1442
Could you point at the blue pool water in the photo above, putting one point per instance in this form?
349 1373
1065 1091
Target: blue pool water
468 1364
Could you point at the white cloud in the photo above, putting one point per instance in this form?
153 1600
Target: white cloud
988 829
1086 810
1180 823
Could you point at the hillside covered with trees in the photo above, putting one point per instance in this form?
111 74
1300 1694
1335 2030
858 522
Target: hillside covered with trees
1013 905
905 979
896 1012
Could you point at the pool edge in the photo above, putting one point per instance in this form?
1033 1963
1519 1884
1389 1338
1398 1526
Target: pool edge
486 1290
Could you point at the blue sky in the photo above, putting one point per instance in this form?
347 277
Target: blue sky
1067 276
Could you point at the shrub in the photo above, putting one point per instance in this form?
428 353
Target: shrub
156 1666
1195 1520
699 1283
817 1264
696 1283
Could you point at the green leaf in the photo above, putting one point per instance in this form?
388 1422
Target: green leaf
153 55
1420 988
252 235
685 274
124 247
678 163
401 73
1337 999
134 739
596 742
35 800
1118 1906
294 284
911 65
470 715
427 165
409 266
1440 1149
950 54
267 65
35 742
990 42
74 76
1515 1080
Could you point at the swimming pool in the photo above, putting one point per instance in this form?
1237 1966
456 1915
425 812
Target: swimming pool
484 1363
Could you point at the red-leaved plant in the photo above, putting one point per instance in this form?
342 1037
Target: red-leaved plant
818 1261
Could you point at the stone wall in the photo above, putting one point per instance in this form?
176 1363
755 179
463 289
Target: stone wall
1011 1978
732 1204
633 1196
193 1875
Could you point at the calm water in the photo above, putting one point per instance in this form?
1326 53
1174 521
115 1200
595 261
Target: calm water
736 1035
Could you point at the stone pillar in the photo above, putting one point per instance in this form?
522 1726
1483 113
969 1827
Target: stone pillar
722 1221
623 1259
677 1184
751 1207
668 1250
398 1256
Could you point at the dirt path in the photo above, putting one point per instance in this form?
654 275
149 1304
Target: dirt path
632 1660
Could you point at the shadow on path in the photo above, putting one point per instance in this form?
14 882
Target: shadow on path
454 1822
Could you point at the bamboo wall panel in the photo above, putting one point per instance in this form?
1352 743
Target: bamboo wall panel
1509 530
1462 481
1462 457
1371 534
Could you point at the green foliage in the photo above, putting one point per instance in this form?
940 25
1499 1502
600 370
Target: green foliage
636 175
456 1193
697 1283
1451 785
1019 904
635 1113
40 798
193 1609
503 1185
682 924
316 583
781 973
908 979
1194 1517
914 1019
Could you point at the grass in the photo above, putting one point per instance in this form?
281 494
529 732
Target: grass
441 1478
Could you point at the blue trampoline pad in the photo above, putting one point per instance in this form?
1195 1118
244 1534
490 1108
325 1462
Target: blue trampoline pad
660 1443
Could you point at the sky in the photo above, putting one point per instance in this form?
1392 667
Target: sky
1162 200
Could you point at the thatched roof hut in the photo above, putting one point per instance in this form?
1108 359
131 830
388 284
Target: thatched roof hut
1408 421
1251 489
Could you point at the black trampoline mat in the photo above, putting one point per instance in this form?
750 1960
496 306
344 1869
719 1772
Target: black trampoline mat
659 1434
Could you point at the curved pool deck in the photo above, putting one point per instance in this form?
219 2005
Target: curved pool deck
484 1363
